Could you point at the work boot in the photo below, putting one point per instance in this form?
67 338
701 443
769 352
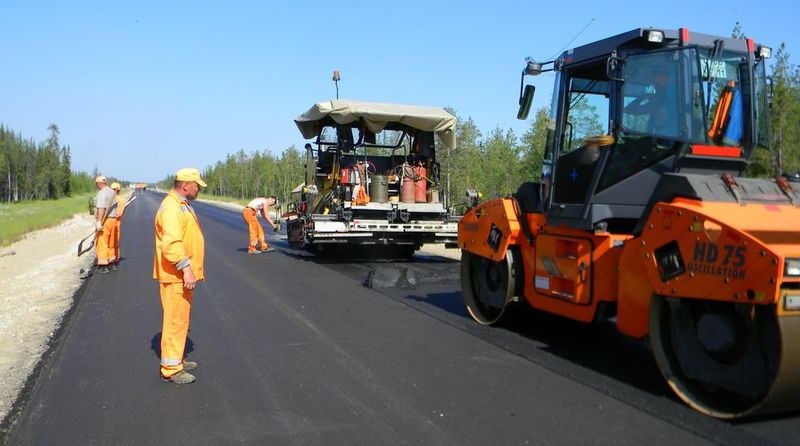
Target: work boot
189 365
102 269
268 250
113 267
179 378
253 252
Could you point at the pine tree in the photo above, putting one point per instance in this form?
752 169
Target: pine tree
533 142
785 106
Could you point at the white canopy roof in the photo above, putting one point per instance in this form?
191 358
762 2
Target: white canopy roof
377 115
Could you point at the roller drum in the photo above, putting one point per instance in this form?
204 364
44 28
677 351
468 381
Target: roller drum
727 360
488 286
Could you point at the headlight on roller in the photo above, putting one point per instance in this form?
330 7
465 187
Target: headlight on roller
791 268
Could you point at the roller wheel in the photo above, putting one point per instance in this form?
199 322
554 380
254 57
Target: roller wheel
725 359
487 286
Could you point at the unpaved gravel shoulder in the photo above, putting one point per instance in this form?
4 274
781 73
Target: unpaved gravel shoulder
37 285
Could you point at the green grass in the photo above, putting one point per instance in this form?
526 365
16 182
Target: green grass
18 219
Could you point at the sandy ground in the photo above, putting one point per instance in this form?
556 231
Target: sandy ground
438 249
38 278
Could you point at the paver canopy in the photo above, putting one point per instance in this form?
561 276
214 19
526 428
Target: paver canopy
376 116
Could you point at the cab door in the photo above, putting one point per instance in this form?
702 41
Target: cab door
586 111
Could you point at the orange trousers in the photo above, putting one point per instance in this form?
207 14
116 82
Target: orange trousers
250 216
117 232
176 301
104 243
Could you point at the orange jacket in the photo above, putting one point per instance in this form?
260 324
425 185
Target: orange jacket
179 241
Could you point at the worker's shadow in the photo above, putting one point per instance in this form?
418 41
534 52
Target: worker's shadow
155 345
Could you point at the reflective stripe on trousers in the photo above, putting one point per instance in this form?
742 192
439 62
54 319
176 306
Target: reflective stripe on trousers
176 301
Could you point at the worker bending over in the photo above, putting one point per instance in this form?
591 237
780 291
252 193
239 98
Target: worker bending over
105 222
250 215
178 266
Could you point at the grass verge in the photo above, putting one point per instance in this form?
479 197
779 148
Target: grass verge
18 219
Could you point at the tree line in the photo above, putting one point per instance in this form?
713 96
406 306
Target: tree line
494 165
37 171
783 154
246 175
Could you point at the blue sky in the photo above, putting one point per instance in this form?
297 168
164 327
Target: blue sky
140 89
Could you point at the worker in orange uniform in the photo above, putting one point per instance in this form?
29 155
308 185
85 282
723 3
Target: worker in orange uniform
105 222
250 215
118 227
178 266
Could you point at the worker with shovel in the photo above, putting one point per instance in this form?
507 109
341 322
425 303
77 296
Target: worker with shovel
178 266
105 223
118 226
256 232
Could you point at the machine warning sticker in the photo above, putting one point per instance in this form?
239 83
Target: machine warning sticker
542 282
712 259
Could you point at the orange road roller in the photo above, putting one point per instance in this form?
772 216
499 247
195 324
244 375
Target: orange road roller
642 215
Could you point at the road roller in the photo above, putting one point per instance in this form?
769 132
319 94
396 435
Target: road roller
643 216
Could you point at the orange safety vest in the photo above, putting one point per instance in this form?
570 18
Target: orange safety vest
720 119
179 239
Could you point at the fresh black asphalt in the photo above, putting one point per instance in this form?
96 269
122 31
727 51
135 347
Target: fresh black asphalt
297 350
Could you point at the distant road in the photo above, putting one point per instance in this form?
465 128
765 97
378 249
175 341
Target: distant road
295 350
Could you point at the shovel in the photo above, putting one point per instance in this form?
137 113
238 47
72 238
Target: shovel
93 235
81 250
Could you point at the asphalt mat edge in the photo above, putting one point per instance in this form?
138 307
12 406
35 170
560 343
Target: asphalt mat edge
33 379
